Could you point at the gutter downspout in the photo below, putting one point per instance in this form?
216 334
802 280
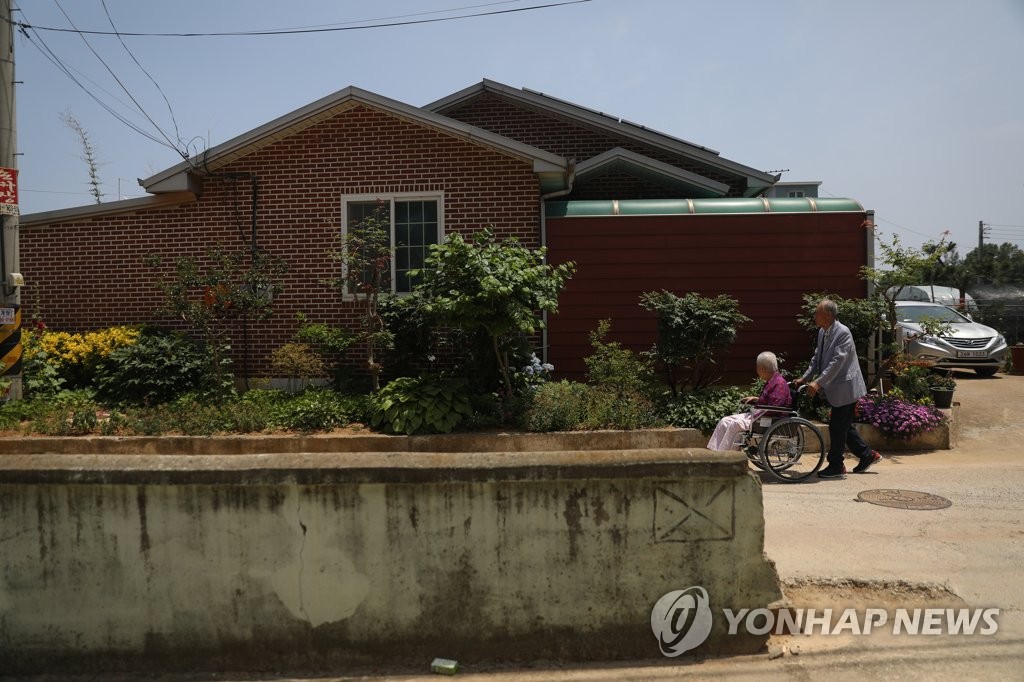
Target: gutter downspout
875 341
570 178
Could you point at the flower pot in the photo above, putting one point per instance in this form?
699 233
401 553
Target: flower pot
942 397
1017 355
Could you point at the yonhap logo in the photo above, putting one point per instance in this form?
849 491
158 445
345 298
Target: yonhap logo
681 620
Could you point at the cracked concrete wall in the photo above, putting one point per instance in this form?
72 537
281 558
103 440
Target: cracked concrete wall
222 576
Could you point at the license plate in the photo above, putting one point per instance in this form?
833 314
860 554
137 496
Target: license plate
971 354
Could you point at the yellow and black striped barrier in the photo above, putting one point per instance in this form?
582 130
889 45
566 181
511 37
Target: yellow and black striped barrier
10 340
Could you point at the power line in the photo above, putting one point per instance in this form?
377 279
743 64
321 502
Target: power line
906 229
117 80
66 70
295 31
170 110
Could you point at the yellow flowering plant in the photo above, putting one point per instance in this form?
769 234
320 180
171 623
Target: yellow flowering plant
66 359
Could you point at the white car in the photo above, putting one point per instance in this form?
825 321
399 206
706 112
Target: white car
966 344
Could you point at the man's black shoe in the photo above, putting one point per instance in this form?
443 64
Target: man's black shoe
866 461
832 472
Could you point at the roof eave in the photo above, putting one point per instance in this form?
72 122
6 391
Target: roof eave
90 211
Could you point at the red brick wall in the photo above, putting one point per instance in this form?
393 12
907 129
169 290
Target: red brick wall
765 261
570 139
91 274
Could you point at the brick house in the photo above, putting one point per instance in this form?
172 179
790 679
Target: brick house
525 163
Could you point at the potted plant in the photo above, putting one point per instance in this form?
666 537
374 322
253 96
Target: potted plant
942 387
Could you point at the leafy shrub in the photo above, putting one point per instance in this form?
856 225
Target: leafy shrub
149 421
71 413
297 361
318 410
40 377
558 406
912 382
494 287
703 409
330 344
198 418
570 406
608 409
863 316
55 360
420 405
898 418
158 368
694 332
413 331
614 367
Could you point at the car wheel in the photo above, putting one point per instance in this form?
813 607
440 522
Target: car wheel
985 371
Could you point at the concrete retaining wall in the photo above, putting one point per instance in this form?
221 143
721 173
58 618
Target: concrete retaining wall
331 559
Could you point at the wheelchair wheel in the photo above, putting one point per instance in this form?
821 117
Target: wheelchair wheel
792 449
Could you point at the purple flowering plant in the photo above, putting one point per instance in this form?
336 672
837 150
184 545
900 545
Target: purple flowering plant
898 418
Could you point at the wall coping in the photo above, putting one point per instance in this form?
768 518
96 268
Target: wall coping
324 459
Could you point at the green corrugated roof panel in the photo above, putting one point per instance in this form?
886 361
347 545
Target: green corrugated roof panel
573 209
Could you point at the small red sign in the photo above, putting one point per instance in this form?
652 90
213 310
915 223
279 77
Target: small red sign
9 191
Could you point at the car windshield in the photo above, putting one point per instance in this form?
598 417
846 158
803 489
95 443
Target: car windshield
939 313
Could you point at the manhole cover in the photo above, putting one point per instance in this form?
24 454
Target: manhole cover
904 499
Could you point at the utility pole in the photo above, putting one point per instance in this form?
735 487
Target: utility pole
981 233
10 296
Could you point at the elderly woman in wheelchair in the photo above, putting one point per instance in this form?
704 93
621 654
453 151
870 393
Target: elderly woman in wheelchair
775 392
770 432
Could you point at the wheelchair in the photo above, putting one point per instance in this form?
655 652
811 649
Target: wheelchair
783 443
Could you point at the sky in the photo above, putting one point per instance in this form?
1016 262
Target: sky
915 108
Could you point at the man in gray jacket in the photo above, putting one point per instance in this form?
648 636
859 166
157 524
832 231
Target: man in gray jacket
836 372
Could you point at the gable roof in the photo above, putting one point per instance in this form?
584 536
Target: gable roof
756 181
551 168
652 169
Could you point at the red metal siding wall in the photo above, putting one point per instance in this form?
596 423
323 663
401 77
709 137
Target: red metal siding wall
766 262
91 274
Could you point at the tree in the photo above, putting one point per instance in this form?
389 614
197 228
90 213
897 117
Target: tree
210 298
907 266
365 257
693 332
496 287
88 154
996 265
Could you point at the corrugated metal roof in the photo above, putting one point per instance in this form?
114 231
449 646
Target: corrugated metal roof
573 209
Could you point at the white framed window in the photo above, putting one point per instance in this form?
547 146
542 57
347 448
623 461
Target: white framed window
415 222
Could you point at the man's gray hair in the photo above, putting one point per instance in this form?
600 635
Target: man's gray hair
830 307
768 361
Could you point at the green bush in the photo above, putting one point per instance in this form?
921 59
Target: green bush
912 383
558 406
329 343
616 368
571 406
298 362
318 409
427 404
694 335
703 409
628 410
159 368
70 413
